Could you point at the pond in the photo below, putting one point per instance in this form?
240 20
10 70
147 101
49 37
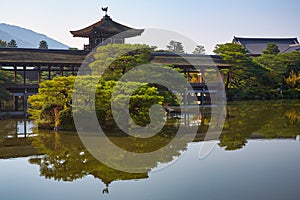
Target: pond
257 156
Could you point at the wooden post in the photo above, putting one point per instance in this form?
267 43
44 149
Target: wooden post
15 74
73 70
24 75
16 103
25 128
16 132
49 72
25 101
200 78
39 74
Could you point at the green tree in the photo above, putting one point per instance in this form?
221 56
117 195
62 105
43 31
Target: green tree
53 97
272 49
292 62
52 106
12 44
275 67
6 78
175 47
114 60
243 73
43 44
200 49
279 66
3 44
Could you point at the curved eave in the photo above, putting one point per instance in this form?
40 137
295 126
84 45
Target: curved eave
125 34
130 33
78 34
108 27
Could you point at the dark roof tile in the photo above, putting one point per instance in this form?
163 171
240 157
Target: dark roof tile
256 46
107 26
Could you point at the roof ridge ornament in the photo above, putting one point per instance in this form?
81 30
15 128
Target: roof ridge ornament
105 9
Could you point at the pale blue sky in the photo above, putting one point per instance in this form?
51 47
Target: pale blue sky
207 22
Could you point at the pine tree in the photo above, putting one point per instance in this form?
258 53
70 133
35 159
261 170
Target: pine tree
12 44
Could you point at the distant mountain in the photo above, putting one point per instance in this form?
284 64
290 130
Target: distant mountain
27 38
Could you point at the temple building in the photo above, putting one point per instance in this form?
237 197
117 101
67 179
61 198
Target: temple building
106 31
256 46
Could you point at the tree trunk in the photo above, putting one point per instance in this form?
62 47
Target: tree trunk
56 117
228 79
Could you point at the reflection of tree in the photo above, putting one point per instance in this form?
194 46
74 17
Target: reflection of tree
285 124
293 116
8 127
266 119
66 159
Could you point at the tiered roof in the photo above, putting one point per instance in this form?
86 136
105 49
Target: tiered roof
106 27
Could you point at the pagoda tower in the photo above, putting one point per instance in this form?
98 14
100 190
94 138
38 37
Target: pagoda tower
106 31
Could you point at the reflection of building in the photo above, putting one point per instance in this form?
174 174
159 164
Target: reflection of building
14 139
255 46
106 31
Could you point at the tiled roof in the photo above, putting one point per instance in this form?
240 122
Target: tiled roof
256 46
188 60
107 26
18 56
295 47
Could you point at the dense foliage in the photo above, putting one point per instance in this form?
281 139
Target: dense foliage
43 44
268 76
52 106
6 78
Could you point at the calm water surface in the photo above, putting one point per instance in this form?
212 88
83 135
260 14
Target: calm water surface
256 157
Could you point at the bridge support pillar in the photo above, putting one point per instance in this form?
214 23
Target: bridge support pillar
16 102
39 75
15 74
24 75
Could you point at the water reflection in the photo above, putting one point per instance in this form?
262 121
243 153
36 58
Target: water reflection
64 157
256 120
16 128
61 156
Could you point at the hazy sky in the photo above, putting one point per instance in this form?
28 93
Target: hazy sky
207 22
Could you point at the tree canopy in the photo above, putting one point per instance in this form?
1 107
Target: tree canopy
270 72
3 44
12 44
244 73
200 49
43 44
6 78
114 60
52 106
175 47
272 49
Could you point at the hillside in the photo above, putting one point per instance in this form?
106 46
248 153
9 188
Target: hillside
27 38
